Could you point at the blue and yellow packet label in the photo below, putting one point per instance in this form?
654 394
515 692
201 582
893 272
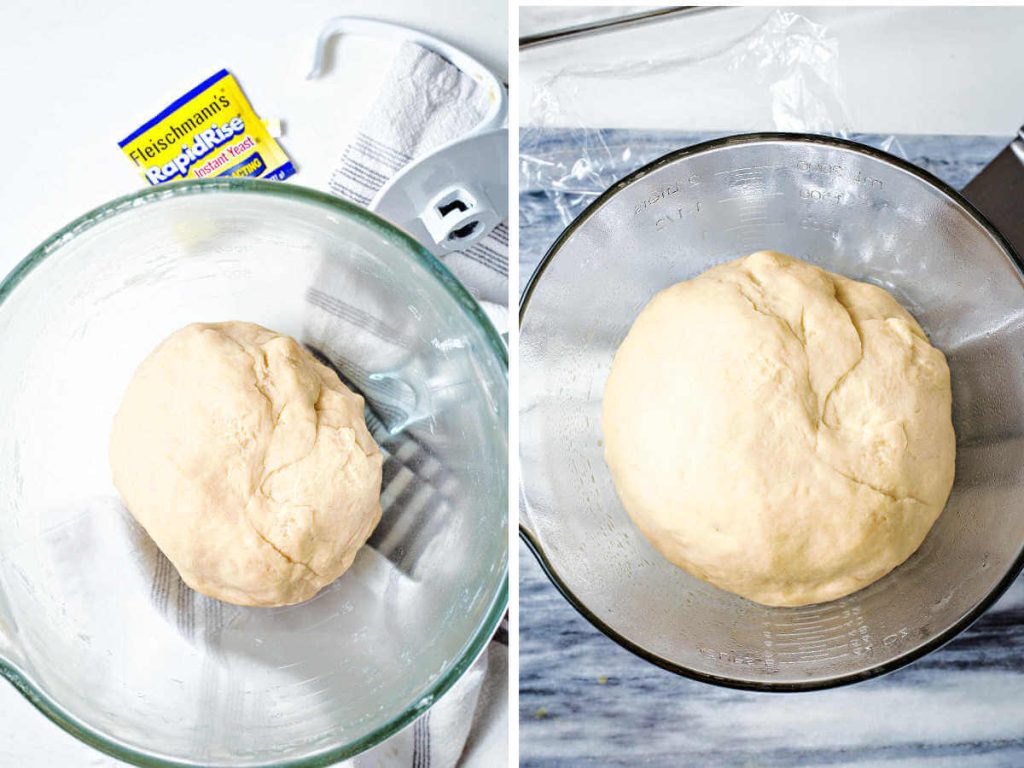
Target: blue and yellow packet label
210 131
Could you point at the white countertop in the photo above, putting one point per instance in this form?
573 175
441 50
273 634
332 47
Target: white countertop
77 79
912 70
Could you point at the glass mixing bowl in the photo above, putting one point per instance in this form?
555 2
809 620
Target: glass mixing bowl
851 210
96 628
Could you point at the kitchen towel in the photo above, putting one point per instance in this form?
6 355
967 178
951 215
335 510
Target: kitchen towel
427 102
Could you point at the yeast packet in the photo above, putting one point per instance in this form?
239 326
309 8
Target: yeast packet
210 131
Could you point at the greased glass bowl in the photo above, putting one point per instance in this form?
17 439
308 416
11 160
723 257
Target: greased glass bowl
849 209
96 628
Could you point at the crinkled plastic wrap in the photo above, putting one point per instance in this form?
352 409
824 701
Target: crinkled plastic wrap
794 60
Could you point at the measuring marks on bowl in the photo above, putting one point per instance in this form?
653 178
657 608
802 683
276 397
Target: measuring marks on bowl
681 202
813 638
817 635
749 192
752 204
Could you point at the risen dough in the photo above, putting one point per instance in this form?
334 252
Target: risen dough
248 463
780 431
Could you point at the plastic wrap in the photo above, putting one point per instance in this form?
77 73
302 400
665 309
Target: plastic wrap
566 163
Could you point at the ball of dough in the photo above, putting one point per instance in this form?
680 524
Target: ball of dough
779 431
248 462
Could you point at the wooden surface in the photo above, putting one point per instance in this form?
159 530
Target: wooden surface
584 701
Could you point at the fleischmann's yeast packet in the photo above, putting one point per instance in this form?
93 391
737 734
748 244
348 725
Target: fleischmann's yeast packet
210 131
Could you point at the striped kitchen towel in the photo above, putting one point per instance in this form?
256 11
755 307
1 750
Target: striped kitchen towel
425 102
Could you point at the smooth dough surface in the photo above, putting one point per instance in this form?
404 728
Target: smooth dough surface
248 462
779 431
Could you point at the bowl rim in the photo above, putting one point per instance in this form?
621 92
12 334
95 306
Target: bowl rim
474 645
536 547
